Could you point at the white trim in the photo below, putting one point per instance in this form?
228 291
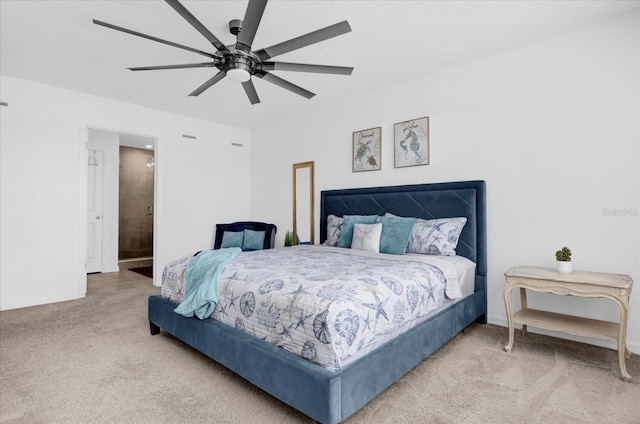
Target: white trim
144 258
156 211
84 157
104 270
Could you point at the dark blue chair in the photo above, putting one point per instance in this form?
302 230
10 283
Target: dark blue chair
270 231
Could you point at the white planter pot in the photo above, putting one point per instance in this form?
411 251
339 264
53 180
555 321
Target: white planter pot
564 267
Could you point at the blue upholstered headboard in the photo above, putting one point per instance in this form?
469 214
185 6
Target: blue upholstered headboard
426 201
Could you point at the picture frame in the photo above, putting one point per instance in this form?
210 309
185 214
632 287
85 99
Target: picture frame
411 143
367 150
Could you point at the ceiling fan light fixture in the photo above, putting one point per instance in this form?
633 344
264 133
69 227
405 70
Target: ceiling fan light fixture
239 75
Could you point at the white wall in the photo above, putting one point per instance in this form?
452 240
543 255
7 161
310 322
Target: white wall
554 129
43 169
109 143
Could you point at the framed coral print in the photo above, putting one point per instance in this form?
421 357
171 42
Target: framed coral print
411 142
366 149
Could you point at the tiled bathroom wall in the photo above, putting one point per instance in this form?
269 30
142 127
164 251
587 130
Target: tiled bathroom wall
136 203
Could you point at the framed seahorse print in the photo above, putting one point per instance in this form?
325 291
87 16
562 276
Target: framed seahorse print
411 142
367 145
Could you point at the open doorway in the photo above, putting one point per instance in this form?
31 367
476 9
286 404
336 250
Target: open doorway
124 237
136 208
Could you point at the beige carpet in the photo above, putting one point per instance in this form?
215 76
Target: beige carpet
93 361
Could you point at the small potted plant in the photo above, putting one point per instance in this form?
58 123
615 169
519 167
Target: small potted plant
288 239
563 260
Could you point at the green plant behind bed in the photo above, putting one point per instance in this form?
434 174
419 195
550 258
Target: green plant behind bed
288 238
564 254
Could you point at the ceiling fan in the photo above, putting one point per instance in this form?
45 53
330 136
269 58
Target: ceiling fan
238 61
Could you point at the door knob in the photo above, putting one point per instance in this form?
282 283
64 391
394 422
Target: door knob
98 217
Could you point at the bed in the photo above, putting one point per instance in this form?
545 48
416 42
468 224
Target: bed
332 395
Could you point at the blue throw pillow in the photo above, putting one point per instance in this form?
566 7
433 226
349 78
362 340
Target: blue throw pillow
346 232
232 239
253 240
395 234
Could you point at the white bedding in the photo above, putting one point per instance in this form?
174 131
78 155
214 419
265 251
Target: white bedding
465 269
330 305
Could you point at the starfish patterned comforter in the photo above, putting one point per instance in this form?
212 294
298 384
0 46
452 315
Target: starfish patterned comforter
323 303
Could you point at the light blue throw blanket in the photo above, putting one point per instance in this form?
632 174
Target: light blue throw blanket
201 280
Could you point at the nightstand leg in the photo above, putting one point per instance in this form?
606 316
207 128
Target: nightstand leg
623 352
507 304
523 305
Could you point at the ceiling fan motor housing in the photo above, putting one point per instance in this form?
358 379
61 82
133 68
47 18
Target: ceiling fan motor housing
237 61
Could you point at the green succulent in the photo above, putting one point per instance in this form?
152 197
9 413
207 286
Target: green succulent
564 254
288 238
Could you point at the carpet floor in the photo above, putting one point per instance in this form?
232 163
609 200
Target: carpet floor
92 360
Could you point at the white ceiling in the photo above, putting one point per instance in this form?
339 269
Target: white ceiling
56 43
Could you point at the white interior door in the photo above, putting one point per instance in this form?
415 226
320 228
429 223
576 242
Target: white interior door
95 176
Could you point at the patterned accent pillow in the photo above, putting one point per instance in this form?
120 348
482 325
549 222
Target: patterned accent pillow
334 224
346 232
232 239
436 236
366 237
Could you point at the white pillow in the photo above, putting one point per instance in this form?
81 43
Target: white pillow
366 237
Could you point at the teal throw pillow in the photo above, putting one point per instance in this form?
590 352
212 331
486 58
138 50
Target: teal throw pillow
346 232
253 240
232 239
395 234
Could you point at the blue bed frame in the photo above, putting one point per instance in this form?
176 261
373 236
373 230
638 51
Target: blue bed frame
327 396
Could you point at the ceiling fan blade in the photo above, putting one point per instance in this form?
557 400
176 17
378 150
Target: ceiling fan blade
252 18
178 7
217 77
188 65
250 89
303 67
304 40
149 37
284 84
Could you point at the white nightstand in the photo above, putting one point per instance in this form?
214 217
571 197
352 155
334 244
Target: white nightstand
616 287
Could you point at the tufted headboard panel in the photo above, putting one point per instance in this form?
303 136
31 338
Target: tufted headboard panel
425 201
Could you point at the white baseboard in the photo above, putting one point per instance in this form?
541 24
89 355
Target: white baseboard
116 269
143 258
502 321
40 301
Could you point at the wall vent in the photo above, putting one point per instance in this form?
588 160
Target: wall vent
236 144
192 137
4 104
